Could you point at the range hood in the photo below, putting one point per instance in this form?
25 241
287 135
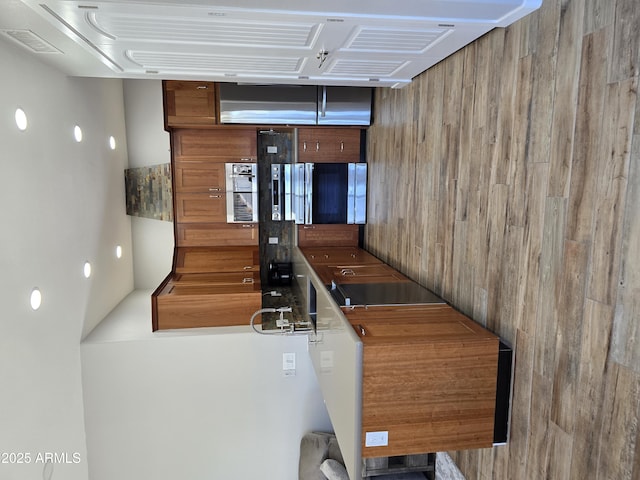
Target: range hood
294 104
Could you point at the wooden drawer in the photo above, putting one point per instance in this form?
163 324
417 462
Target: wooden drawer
218 145
377 273
220 260
328 235
337 256
216 234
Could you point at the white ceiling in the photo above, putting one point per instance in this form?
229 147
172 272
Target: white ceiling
330 42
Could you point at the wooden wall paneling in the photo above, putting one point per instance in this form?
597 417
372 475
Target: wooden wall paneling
624 61
626 326
566 95
588 129
594 349
617 443
550 265
569 334
541 216
611 187
521 405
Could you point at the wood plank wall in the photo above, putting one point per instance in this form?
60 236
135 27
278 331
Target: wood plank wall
507 180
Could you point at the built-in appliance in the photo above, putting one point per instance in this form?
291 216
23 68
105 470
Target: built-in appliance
309 193
294 104
387 293
242 192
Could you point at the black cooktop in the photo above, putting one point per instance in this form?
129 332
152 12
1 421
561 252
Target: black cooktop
397 293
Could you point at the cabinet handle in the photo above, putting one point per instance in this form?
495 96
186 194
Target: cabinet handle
347 272
248 267
308 227
247 225
342 146
304 146
247 280
317 146
248 160
326 255
202 87
363 332
215 189
215 196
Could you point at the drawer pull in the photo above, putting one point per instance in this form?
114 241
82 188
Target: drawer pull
215 196
247 225
247 280
342 146
248 267
202 87
347 272
215 189
304 146
363 332
317 146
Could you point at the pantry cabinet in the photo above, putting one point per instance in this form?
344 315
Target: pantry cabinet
224 144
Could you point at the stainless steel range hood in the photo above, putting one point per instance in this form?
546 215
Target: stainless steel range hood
294 104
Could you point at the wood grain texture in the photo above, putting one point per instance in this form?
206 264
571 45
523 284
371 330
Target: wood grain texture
429 378
507 180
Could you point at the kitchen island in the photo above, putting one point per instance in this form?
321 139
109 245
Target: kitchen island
399 379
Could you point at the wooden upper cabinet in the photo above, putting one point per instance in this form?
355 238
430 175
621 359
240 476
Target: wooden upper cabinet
328 145
217 145
189 104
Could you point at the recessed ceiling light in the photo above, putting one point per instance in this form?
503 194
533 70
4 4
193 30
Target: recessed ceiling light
35 299
87 270
21 119
77 133
118 251
112 142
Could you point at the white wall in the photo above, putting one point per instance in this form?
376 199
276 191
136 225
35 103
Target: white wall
62 204
148 144
213 405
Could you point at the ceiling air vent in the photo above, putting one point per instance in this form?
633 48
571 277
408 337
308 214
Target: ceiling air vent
30 40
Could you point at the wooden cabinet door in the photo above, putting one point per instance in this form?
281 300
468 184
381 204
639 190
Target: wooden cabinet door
328 235
201 207
216 234
212 306
218 259
199 177
329 145
190 103
219 145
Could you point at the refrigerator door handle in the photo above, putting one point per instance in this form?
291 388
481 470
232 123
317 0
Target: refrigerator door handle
308 193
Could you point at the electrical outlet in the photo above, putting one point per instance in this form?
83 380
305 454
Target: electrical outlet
288 361
273 240
376 439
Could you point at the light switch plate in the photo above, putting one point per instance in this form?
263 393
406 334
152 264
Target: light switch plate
273 240
288 361
272 149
